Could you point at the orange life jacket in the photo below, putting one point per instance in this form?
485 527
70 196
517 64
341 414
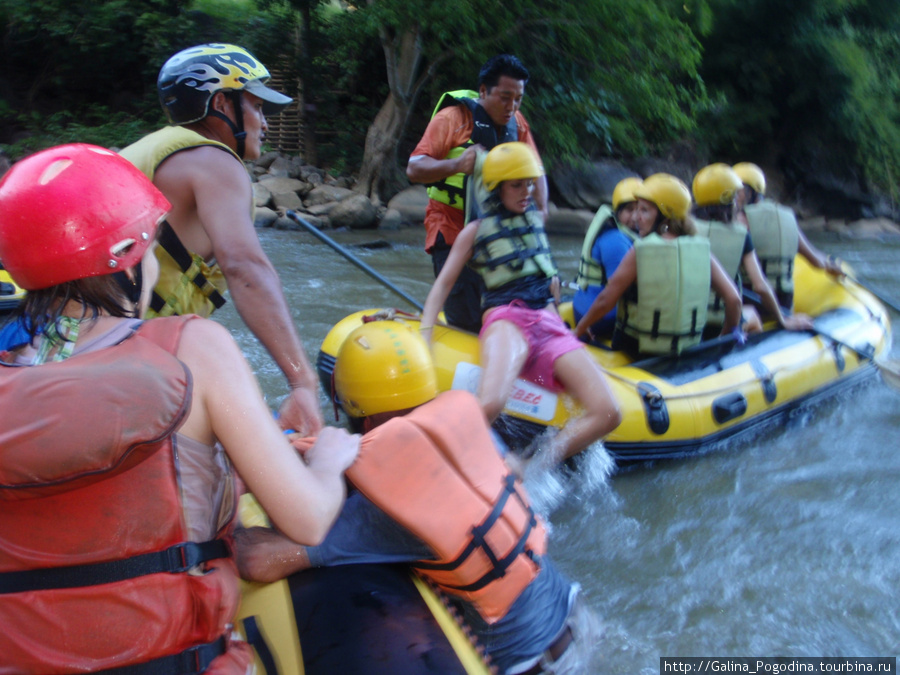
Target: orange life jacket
436 472
95 568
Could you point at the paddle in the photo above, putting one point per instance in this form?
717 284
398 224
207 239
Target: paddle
890 368
887 301
312 229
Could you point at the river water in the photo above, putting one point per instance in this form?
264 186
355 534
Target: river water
784 543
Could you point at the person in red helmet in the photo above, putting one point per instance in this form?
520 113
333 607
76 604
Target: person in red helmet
119 441
216 101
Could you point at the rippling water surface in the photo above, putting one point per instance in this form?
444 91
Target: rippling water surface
784 543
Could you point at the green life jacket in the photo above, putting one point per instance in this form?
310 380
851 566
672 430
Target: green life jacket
632 235
511 248
665 310
452 190
726 242
592 272
776 238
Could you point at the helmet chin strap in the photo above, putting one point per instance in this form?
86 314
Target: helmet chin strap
131 288
237 127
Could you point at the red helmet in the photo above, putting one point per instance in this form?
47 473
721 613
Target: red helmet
75 211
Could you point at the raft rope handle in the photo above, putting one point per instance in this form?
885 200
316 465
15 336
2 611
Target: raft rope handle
712 392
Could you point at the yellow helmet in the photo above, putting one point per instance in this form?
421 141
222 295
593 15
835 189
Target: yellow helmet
624 191
510 161
669 193
751 175
716 184
383 366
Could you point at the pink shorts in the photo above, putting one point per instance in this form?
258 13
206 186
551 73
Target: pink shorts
548 338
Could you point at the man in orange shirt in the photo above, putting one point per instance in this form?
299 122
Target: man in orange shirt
463 123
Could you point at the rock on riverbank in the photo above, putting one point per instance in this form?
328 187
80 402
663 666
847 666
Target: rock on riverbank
283 183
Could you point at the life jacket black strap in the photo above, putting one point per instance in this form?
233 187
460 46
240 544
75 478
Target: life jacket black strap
182 257
191 661
515 235
665 334
175 559
257 640
484 133
478 541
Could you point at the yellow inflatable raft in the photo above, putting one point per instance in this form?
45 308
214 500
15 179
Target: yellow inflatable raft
10 293
673 407
362 618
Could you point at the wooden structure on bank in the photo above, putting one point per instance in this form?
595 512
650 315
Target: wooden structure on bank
286 130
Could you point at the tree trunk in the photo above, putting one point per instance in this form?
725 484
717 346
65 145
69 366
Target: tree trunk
380 176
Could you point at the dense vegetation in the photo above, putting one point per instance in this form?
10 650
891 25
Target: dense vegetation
809 84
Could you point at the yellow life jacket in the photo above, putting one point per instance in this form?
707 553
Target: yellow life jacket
665 310
726 242
187 284
512 248
436 472
592 272
452 190
776 238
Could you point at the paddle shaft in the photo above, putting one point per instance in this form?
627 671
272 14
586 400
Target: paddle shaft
312 229
887 301
890 368
863 354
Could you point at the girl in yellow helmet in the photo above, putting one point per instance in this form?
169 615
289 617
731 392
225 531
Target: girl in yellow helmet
663 207
522 332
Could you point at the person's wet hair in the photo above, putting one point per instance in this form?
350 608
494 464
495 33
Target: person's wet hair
500 65
45 306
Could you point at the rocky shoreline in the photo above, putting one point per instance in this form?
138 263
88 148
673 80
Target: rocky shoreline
282 182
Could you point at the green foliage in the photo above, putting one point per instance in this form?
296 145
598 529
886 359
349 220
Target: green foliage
96 125
806 83
811 85
72 61
607 77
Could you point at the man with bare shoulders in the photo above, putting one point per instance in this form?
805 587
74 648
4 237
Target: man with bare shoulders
464 122
215 99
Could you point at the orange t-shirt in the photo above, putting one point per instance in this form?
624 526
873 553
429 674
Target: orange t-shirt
452 127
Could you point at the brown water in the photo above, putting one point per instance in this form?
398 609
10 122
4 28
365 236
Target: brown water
784 543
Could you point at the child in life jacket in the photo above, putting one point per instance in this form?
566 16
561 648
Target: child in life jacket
522 333
428 462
